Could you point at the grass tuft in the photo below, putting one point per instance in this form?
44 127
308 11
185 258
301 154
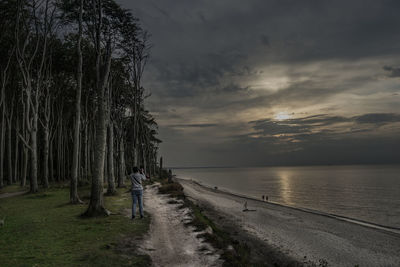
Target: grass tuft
173 189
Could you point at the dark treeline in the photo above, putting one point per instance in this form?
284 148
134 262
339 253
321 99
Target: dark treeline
72 101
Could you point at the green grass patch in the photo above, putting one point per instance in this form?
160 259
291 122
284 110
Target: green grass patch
44 230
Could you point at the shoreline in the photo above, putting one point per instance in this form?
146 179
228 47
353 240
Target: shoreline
376 226
295 235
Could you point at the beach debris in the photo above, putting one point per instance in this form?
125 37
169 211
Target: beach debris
245 206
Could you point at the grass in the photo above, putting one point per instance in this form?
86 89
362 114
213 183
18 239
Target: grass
173 189
44 230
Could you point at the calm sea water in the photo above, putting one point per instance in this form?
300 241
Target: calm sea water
369 193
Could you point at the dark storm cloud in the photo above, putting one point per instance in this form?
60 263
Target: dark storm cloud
270 127
378 118
194 77
198 43
227 60
393 71
311 125
198 125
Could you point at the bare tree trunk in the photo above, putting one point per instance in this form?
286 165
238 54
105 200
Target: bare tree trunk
2 137
85 153
96 205
122 171
161 167
105 175
74 198
34 154
91 151
24 167
16 150
111 175
51 161
9 150
24 170
59 153
143 154
46 157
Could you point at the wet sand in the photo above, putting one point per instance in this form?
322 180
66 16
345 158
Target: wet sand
301 235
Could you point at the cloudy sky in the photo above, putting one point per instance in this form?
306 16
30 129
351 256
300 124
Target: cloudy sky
274 82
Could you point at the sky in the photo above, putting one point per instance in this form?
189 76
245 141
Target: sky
274 82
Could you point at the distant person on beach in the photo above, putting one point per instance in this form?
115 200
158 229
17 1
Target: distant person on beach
137 190
263 197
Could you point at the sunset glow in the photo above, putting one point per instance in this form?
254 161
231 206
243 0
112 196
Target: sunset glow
282 116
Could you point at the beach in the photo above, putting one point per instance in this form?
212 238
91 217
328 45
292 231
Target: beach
291 235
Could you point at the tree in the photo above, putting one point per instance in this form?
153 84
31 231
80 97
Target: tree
65 62
32 32
74 198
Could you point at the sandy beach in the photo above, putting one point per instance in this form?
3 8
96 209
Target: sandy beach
298 235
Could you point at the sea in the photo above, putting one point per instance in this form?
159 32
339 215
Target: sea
369 193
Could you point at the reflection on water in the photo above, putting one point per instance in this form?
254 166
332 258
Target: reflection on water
370 193
285 187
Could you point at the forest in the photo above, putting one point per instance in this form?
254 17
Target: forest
72 103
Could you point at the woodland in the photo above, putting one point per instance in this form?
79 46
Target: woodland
72 102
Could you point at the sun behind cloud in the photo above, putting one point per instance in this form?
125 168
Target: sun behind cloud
280 116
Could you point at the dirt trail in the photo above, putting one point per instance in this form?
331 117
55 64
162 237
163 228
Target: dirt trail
170 242
6 195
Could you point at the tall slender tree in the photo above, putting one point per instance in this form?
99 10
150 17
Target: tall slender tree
74 198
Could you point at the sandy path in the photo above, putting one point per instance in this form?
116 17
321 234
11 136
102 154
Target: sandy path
298 233
170 242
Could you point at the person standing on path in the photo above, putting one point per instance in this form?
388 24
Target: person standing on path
137 191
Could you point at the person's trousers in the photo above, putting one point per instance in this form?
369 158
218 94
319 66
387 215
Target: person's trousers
137 197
